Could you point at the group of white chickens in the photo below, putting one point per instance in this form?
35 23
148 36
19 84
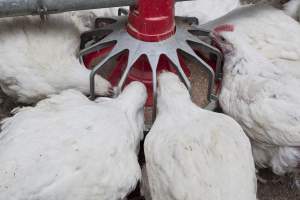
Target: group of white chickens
67 147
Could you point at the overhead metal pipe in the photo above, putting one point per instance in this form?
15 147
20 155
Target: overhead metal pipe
12 8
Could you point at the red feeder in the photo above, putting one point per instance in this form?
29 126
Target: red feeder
143 44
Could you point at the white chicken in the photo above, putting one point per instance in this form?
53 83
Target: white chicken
205 10
70 148
38 59
292 8
261 83
193 154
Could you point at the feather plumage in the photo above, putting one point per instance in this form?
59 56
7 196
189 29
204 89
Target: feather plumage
39 59
70 148
193 154
261 80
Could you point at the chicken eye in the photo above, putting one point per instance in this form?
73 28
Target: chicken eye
222 39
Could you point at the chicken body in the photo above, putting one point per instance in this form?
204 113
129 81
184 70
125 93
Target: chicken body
39 59
260 83
193 154
70 148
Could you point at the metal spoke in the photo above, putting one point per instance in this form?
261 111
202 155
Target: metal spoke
207 68
93 73
212 50
98 45
200 32
132 58
173 56
95 48
153 60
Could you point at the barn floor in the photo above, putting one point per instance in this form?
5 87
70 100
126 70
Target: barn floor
276 188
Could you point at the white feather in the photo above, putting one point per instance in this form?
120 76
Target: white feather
70 148
38 59
193 154
261 83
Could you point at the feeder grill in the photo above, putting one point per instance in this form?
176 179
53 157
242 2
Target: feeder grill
148 41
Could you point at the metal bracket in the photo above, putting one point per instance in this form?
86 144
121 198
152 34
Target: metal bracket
43 12
123 11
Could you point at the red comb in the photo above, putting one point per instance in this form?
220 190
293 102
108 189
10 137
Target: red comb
224 28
